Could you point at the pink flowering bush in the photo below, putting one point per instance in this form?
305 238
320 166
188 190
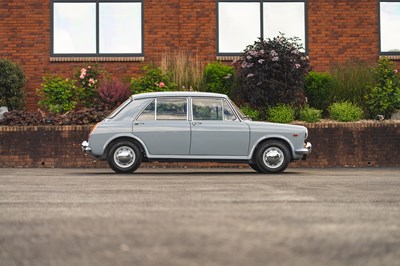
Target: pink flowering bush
153 80
87 82
272 72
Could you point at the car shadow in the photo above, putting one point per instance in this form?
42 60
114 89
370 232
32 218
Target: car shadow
188 172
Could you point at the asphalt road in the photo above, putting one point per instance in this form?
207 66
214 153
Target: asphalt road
200 217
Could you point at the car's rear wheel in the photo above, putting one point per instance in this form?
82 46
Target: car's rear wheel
124 157
272 157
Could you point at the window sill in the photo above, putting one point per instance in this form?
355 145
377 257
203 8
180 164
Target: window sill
390 57
228 58
97 59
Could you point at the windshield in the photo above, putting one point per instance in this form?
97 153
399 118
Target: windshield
119 108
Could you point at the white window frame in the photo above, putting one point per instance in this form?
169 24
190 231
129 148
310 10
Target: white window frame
384 34
261 29
96 52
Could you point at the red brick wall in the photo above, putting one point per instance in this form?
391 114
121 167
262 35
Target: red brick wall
334 145
338 30
173 24
342 29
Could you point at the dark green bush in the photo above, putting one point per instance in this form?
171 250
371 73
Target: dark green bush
310 115
280 114
219 78
12 81
384 96
318 89
22 118
271 72
345 112
252 113
85 116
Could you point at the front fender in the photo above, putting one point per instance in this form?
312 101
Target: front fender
272 137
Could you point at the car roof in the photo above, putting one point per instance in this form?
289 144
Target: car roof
177 94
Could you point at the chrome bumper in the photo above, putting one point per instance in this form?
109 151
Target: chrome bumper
308 146
308 149
85 148
304 151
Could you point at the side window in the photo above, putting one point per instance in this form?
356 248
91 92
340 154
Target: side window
207 109
171 109
229 115
148 113
212 109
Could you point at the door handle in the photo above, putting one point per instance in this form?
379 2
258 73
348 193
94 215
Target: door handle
138 123
196 123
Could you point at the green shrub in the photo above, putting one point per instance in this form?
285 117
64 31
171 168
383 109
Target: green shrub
318 89
345 112
280 114
352 82
254 114
153 80
384 96
219 78
272 71
12 81
57 94
310 115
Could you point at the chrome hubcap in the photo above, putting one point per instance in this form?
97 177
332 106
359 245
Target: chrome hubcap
124 156
273 157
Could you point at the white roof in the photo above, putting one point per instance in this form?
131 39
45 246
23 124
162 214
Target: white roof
178 94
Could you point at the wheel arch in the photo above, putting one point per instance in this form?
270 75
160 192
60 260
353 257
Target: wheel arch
283 140
132 139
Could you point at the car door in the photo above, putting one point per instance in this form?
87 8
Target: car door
216 131
163 126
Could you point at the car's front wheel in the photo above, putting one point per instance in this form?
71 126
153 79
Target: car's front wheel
272 157
124 157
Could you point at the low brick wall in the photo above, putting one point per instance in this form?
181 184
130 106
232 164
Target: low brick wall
334 145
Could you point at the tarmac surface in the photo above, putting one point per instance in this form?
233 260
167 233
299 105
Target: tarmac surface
200 217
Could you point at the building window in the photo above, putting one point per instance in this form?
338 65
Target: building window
389 13
97 28
240 23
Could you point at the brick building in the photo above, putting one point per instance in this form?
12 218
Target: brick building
58 36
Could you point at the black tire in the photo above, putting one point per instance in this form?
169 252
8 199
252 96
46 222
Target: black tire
254 166
272 157
124 157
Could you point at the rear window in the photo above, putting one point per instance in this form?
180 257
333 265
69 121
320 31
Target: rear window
119 108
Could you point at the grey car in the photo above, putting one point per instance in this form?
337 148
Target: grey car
192 126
